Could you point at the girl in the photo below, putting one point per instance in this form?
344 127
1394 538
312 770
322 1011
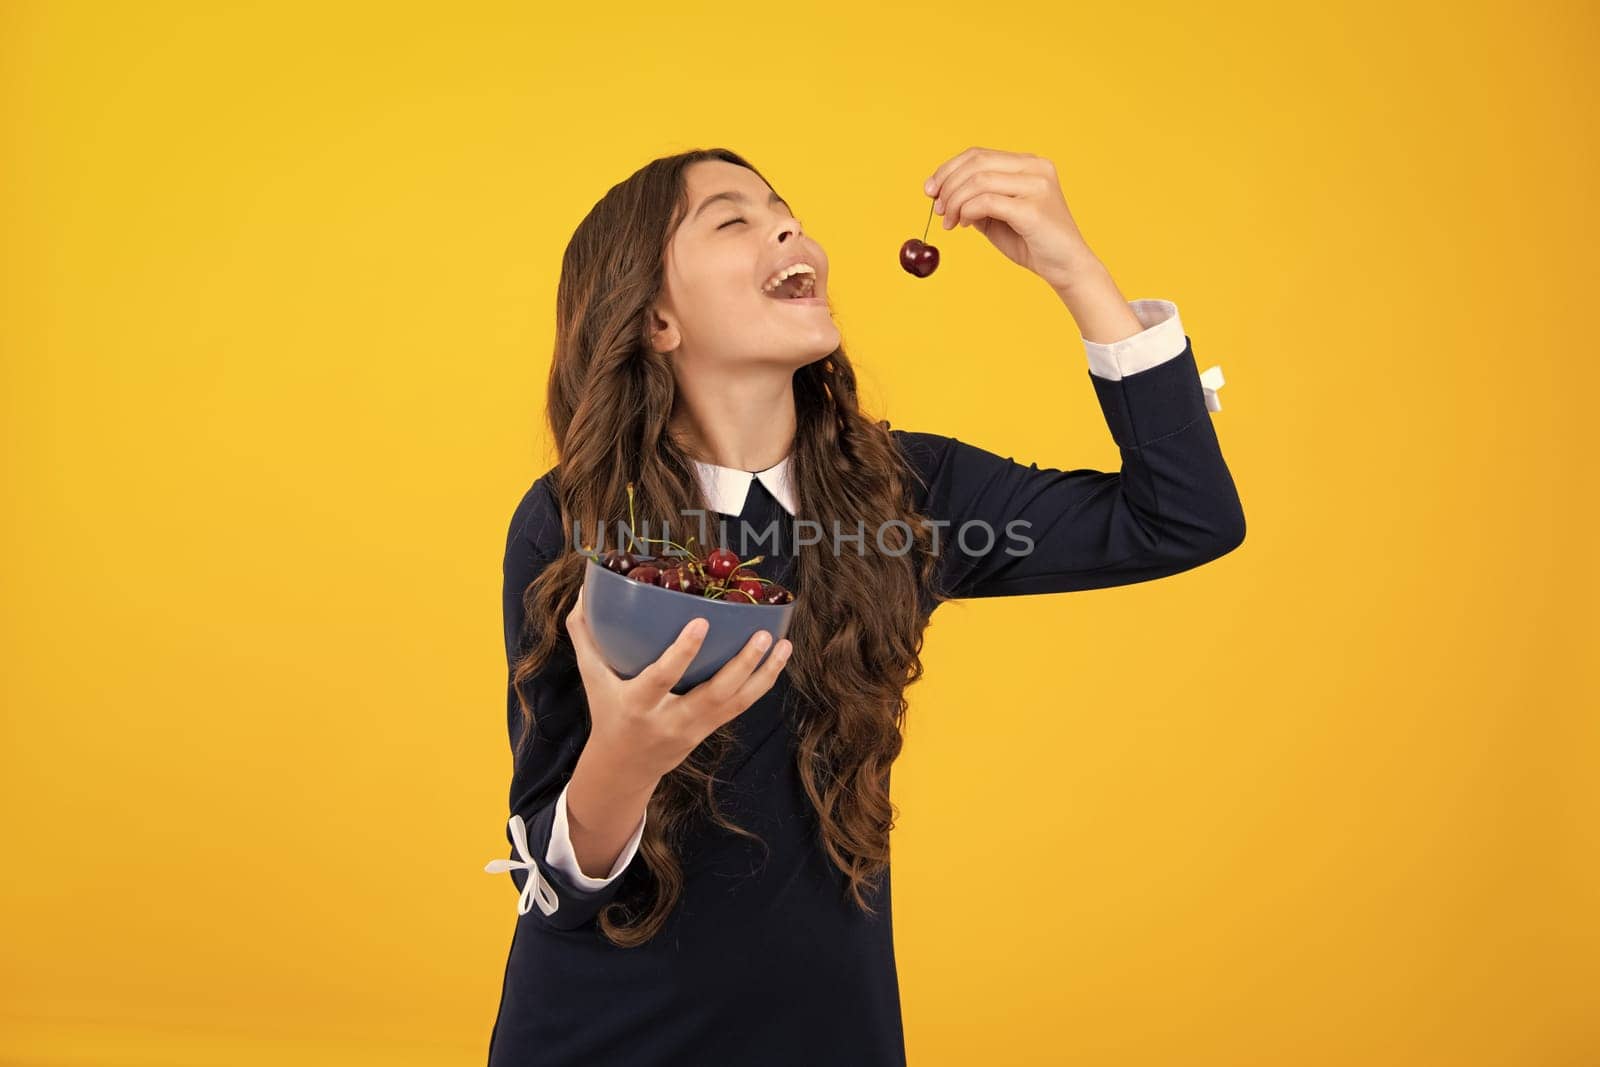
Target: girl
704 876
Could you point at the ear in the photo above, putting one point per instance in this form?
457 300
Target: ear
664 335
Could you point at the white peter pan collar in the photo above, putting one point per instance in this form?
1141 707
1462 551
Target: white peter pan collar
727 487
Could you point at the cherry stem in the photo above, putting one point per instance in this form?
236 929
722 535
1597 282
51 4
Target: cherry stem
631 540
658 541
928 223
635 540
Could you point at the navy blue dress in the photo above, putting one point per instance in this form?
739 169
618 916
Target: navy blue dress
765 960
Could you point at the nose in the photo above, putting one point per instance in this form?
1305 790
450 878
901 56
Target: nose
788 229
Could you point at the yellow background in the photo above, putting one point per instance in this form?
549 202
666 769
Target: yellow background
278 296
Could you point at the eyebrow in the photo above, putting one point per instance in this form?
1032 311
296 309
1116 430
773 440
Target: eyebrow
737 196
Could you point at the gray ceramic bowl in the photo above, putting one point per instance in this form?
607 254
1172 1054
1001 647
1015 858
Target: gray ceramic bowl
634 623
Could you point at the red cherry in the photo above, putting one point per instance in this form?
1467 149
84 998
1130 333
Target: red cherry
918 257
619 560
681 579
721 563
646 573
777 594
753 588
738 596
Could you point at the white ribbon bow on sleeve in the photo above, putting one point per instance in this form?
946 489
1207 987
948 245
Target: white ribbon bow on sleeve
536 888
1210 382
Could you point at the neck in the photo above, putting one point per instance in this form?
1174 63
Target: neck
747 424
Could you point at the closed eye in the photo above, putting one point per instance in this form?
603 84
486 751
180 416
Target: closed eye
730 222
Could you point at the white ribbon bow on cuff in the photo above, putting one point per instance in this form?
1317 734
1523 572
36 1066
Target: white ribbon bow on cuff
1210 382
536 888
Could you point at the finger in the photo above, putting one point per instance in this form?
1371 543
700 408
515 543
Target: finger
936 182
976 158
657 680
970 181
720 687
591 664
763 678
1012 210
964 206
578 628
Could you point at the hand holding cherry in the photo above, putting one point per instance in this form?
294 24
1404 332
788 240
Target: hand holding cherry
1015 200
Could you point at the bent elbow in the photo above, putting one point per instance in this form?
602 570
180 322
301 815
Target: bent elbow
1221 533
1230 531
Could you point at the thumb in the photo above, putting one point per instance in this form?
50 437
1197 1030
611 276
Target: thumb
582 640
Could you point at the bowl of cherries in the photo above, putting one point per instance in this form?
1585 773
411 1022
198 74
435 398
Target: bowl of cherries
637 603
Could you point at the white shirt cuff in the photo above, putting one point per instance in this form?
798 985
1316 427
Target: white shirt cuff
1161 339
561 856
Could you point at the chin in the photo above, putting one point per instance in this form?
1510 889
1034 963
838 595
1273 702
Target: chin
827 339
812 353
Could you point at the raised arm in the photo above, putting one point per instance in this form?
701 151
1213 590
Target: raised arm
1008 529
1016 529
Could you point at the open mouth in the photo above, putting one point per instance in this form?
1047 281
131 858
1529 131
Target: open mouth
800 285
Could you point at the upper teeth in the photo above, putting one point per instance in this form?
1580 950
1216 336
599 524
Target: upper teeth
777 279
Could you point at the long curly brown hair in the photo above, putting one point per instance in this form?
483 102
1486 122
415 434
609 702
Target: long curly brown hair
859 617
